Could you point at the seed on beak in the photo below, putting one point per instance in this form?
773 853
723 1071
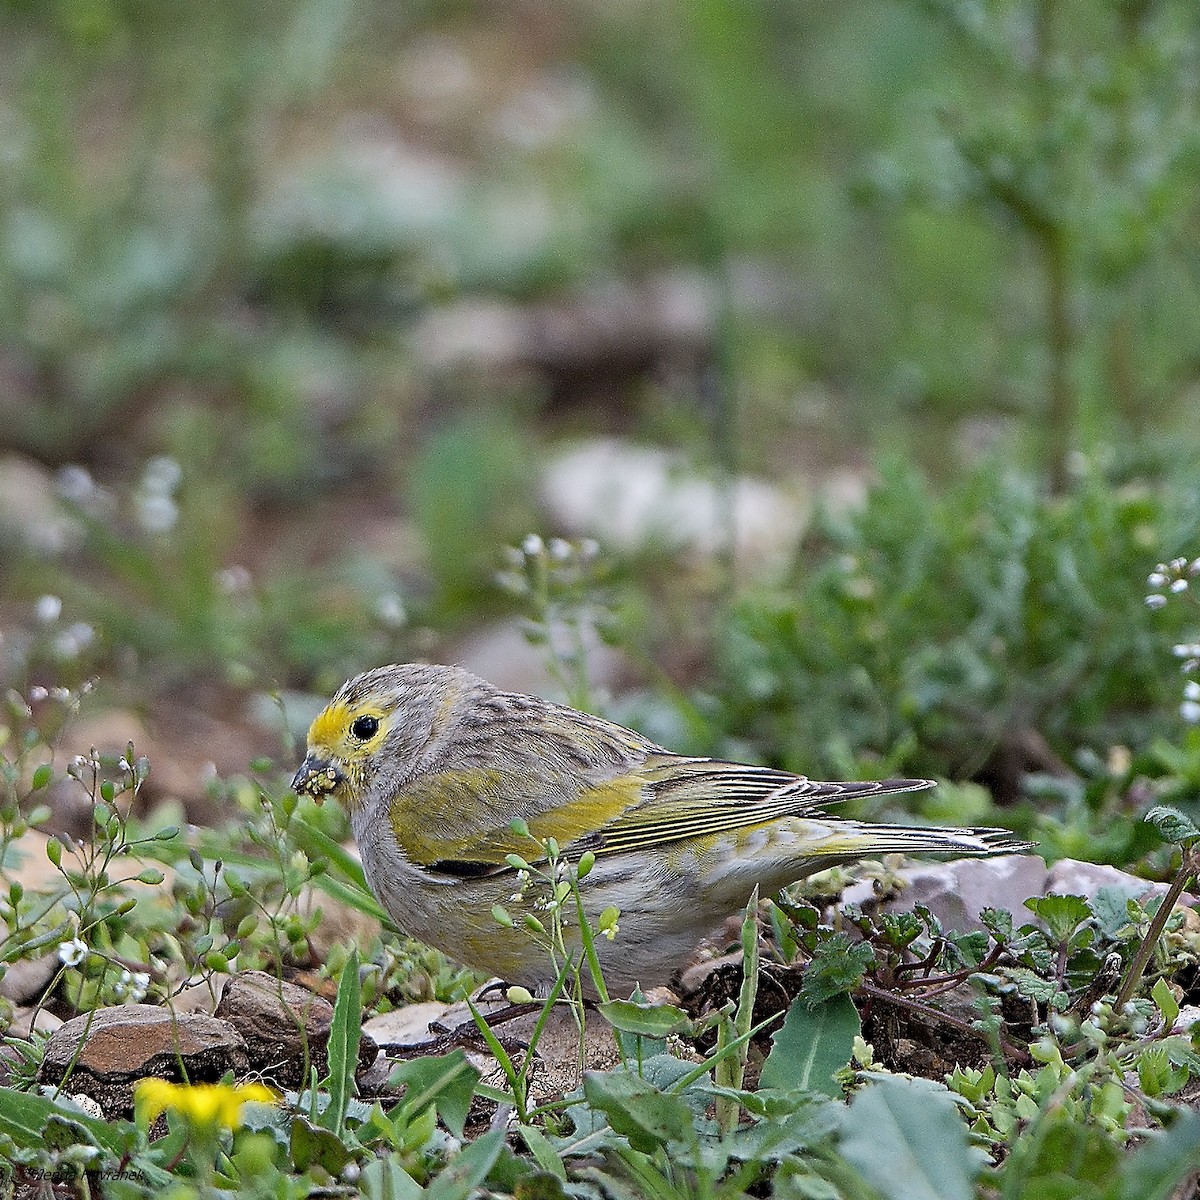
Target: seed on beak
318 777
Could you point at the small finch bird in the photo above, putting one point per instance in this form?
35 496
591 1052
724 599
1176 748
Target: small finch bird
434 765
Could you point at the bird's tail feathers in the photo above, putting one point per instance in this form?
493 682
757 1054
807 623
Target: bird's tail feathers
859 840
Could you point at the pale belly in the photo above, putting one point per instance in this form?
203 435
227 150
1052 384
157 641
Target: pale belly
662 917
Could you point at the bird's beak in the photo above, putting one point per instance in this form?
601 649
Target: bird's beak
318 777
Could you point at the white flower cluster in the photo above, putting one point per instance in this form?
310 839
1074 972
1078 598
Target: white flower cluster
1170 579
1175 578
131 986
69 642
154 502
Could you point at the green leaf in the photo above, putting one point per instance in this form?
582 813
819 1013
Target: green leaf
1153 1070
637 1110
645 1020
466 1173
1062 914
1154 1170
1165 1000
907 1138
837 967
776 1137
447 1082
811 1046
312 1146
1111 908
543 1153
1172 825
1031 985
41 777
796 1180
386 1179
26 1118
1061 1158
345 1032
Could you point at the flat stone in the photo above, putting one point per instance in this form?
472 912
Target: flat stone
108 1050
31 512
501 653
285 1027
409 1025
27 978
630 497
33 1020
956 892
558 1058
1070 877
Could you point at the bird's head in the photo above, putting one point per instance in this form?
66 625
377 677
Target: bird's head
374 731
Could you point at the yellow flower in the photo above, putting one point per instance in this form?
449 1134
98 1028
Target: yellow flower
207 1105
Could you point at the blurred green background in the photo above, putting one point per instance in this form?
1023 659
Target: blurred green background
861 338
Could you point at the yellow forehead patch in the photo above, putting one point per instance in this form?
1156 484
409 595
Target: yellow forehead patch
330 725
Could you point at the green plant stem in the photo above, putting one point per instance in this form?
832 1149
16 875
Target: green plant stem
1137 967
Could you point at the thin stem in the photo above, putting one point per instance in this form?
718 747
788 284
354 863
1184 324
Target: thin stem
1137 967
878 993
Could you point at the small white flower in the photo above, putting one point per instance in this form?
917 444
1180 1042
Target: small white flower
37 693
71 953
157 512
75 483
162 474
233 579
1194 569
589 549
1191 690
1155 601
533 546
1189 710
390 610
48 609
74 640
1177 564
1156 580
1179 585
560 549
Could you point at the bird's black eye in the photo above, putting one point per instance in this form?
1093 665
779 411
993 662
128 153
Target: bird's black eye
365 728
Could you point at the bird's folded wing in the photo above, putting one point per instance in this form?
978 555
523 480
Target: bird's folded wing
699 797
666 798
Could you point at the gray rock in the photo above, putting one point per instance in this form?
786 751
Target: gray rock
285 1027
407 1026
26 979
31 513
106 1051
1070 877
957 891
501 653
631 497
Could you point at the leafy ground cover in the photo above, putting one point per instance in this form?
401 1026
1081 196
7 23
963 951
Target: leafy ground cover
1057 1043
